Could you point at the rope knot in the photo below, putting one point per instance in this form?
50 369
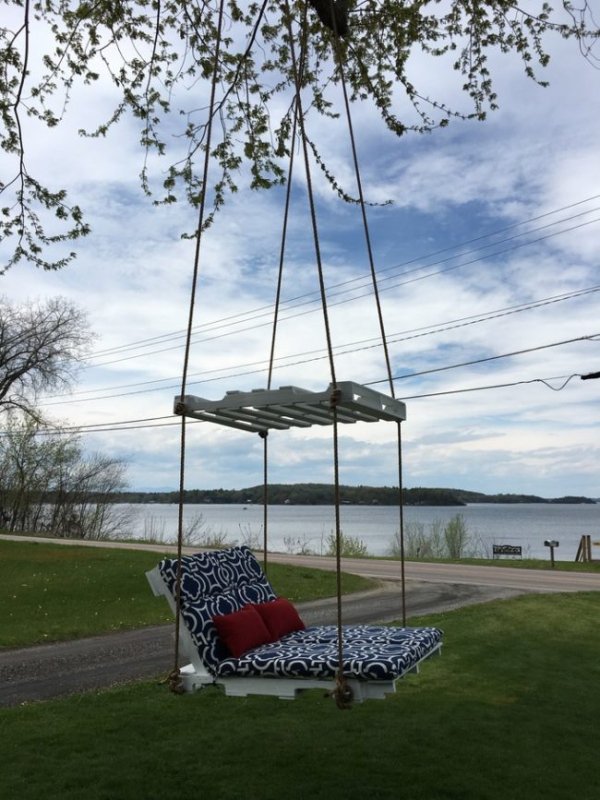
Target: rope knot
335 398
343 694
175 682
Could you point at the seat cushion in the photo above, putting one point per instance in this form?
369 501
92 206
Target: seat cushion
220 583
215 583
375 653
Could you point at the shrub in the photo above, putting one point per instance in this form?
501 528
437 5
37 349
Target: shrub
452 540
456 536
350 546
418 543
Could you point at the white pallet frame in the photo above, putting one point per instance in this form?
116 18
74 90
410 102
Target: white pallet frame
262 410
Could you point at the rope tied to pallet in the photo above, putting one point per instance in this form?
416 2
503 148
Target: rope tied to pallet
175 683
342 694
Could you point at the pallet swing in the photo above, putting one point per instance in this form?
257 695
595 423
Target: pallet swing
229 622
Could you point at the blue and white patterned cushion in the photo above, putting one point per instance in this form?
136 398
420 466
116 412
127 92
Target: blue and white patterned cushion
224 581
212 584
369 653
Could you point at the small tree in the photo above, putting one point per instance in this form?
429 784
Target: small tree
48 484
41 345
452 540
419 542
456 536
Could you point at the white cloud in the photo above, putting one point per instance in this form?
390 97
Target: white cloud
132 275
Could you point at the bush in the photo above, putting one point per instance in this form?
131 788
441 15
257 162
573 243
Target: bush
350 546
456 536
452 540
418 543
298 546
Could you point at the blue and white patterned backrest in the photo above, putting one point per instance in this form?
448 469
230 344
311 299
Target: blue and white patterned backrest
214 583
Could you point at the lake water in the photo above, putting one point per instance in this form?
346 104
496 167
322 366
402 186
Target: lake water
294 527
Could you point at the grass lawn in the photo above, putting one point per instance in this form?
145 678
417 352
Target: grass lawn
52 593
509 712
526 563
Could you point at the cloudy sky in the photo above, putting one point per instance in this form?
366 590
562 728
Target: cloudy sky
490 247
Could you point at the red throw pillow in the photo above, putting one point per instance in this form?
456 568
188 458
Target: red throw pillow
280 617
242 630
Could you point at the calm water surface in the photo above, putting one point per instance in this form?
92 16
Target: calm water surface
294 527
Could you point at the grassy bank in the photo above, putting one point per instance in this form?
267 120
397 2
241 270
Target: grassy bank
520 563
509 711
52 593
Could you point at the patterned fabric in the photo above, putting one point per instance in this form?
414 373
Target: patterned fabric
369 653
223 581
212 584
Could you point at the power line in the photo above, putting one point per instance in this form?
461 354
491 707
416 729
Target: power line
305 312
592 337
256 314
127 425
546 381
133 424
465 243
395 338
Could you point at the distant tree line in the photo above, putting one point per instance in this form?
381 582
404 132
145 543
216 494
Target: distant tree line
323 494
298 494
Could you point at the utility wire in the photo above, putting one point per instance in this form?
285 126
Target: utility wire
545 381
347 349
267 309
135 423
592 337
388 288
242 319
132 424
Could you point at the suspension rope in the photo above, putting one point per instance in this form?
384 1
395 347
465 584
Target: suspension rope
339 59
342 692
311 200
174 679
264 435
401 523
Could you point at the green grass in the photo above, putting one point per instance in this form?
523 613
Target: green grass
517 563
509 712
52 592
528 563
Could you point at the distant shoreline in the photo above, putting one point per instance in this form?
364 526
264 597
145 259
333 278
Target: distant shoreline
323 494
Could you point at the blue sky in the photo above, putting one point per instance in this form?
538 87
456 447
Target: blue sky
490 247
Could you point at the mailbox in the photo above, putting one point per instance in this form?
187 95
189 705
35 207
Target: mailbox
551 543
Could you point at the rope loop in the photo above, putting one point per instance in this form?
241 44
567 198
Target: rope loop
343 694
175 682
